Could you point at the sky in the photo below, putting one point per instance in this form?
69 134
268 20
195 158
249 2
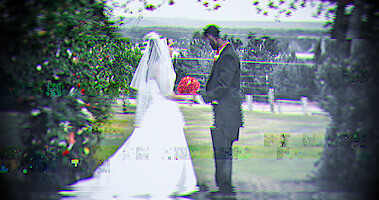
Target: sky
235 10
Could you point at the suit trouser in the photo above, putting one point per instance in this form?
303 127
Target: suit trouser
222 147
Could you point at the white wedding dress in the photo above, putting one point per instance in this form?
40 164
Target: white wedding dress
154 162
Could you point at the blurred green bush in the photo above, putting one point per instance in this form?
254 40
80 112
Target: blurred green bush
62 63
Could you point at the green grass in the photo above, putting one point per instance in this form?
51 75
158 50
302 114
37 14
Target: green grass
116 131
253 160
255 165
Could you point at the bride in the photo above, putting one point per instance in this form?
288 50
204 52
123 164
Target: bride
154 162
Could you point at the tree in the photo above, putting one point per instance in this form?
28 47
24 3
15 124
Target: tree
262 48
196 48
62 64
237 43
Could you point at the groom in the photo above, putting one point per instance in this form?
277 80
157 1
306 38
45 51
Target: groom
222 90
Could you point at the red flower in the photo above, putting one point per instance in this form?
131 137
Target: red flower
188 85
78 76
65 152
71 138
78 84
108 56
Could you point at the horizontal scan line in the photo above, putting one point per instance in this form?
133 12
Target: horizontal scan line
250 61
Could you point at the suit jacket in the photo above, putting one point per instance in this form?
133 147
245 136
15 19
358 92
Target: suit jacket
223 86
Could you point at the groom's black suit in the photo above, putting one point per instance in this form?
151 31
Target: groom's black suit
223 86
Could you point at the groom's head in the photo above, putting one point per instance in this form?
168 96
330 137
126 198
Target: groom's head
212 34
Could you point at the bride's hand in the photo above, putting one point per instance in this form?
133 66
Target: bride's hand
194 99
176 97
188 98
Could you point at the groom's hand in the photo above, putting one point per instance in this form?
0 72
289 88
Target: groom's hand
194 99
202 92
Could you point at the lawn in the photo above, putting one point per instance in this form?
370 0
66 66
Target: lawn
259 160
261 168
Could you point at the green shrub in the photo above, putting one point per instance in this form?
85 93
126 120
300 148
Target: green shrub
65 71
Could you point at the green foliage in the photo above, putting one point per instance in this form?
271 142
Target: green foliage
72 45
293 81
344 78
197 48
259 49
237 43
264 48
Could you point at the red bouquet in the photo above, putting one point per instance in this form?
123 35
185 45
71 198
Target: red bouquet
188 85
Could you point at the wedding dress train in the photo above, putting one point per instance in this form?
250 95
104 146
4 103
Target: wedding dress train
154 161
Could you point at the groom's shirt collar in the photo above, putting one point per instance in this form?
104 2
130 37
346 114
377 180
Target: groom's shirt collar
219 51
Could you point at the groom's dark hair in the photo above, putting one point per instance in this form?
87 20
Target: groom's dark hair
212 30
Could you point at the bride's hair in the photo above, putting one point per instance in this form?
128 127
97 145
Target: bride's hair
155 64
155 35
152 35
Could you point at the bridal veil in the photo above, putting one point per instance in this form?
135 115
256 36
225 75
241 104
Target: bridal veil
155 65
